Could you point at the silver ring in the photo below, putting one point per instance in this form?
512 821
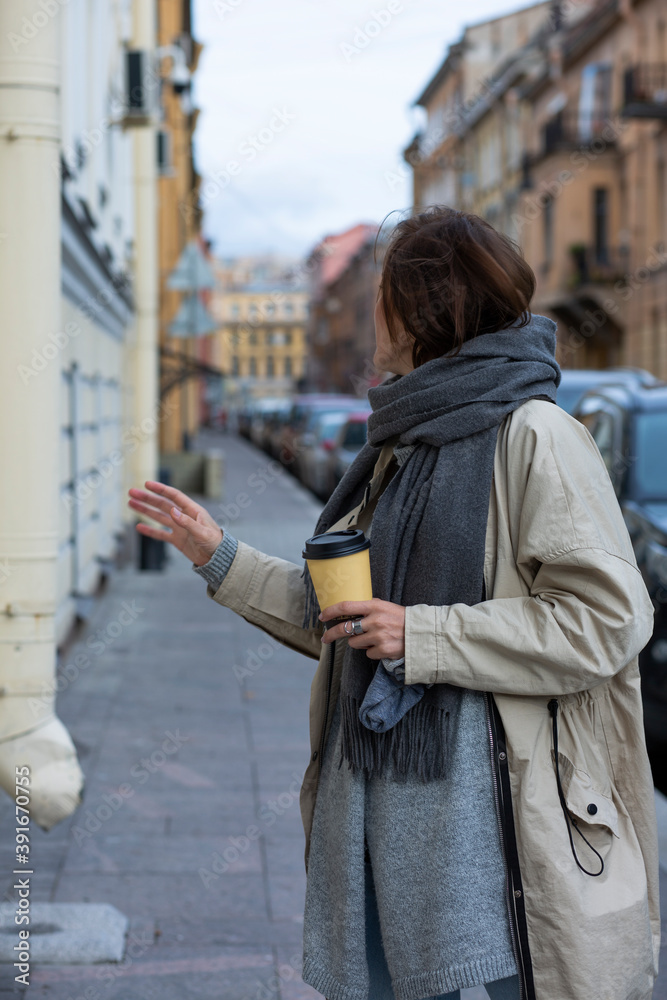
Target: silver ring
345 628
357 628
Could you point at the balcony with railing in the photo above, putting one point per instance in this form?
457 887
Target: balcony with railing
571 130
645 91
598 265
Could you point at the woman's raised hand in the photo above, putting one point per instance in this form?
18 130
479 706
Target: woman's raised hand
191 529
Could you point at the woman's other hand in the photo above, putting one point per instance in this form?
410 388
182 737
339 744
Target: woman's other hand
383 622
191 529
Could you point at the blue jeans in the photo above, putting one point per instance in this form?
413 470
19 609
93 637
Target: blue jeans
381 989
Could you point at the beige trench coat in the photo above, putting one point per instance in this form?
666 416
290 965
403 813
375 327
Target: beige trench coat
565 617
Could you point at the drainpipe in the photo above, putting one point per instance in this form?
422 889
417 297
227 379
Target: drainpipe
30 394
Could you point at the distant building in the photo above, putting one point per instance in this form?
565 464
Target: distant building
444 171
261 341
565 150
344 282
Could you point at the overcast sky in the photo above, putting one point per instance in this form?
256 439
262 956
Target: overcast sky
311 114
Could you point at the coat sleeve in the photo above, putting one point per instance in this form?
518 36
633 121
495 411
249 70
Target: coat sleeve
268 592
586 611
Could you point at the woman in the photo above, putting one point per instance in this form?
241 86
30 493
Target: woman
478 805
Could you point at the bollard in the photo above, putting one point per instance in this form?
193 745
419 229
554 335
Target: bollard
214 467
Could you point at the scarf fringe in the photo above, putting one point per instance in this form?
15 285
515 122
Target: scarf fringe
311 605
417 744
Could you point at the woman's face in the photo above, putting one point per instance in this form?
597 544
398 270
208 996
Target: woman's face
388 357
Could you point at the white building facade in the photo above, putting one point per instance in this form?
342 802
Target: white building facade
79 401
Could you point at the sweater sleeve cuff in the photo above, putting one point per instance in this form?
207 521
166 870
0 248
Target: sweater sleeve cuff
215 570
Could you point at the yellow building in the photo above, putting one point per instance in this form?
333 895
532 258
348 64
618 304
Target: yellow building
179 217
261 342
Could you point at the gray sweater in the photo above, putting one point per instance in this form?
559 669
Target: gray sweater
435 854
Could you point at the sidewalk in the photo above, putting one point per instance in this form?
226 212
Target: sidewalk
202 757
192 729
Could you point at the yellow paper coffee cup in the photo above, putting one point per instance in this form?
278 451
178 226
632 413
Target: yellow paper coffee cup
339 566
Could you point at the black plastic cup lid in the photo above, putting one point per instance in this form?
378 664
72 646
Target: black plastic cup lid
332 544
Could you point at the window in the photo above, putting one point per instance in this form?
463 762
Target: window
235 365
594 99
234 310
253 366
288 308
288 337
288 366
601 225
651 448
252 339
270 366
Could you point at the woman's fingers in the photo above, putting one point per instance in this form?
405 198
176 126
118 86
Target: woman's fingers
152 499
174 496
157 515
199 532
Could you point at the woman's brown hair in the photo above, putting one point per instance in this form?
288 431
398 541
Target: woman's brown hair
449 276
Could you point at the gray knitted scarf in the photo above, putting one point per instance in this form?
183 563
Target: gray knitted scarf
429 525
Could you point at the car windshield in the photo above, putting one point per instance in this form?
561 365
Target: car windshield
328 424
355 435
652 455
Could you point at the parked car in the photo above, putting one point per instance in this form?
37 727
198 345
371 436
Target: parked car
264 409
349 441
576 381
299 421
317 444
629 425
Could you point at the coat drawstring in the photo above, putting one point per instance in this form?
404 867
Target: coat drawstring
569 820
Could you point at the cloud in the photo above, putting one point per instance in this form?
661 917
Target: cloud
326 170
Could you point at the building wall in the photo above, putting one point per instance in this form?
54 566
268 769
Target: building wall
179 218
546 152
97 314
617 314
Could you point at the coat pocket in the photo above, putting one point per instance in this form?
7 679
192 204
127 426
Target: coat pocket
589 813
595 813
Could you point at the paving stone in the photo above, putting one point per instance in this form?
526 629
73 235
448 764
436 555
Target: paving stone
74 933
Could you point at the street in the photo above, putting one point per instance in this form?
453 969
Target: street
192 728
